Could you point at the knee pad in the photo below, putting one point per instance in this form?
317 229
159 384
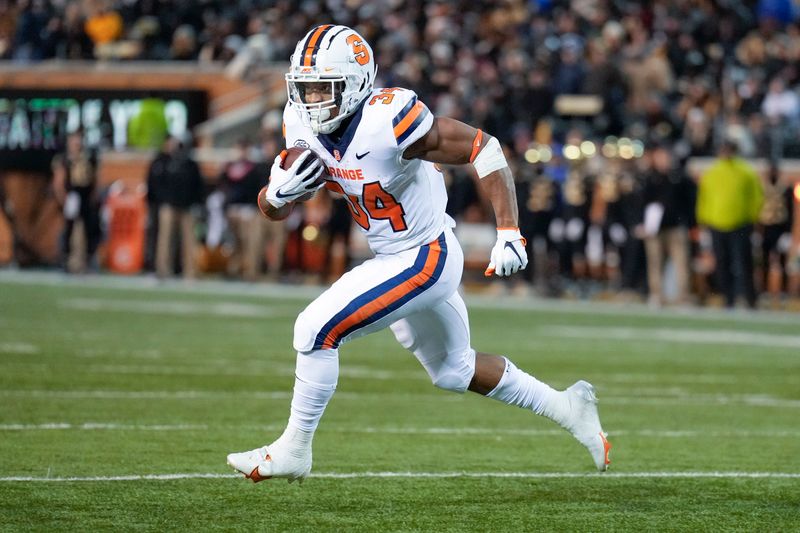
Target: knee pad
306 329
319 368
455 372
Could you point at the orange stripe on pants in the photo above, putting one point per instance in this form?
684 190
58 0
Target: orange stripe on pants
387 298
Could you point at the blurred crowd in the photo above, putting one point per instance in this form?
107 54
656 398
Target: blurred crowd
687 71
638 229
598 103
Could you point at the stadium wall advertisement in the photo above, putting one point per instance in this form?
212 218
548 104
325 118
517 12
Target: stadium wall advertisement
34 122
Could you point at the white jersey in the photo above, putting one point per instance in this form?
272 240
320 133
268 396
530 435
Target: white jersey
399 204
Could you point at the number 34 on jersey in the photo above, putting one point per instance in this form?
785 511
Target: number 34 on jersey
378 205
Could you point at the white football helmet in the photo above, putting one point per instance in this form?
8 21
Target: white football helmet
330 54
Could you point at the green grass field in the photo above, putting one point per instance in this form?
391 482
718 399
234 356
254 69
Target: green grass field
120 401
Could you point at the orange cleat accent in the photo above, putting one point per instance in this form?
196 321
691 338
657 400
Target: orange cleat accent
255 476
606 448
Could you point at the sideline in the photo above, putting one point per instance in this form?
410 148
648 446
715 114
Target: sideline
427 475
309 292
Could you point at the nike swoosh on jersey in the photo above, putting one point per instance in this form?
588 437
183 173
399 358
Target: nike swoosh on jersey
361 156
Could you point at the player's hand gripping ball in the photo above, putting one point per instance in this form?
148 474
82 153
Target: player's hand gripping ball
296 175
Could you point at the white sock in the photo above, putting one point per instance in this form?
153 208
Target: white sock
294 441
523 390
316 375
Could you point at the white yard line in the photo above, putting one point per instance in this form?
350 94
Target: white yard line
220 366
752 400
704 378
424 475
92 426
654 433
583 307
683 335
155 307
152 284
551 475
346 370
213 395
249 370
24 348
141 395
193 370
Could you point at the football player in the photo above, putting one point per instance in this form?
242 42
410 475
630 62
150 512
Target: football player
380 147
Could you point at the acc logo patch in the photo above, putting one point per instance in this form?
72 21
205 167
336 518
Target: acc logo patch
301 143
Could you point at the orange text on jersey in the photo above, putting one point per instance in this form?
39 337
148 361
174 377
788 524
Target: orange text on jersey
346 173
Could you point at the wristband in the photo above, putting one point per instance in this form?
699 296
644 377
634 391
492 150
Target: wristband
510 235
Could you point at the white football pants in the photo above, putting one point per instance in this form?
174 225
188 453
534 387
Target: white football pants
415 293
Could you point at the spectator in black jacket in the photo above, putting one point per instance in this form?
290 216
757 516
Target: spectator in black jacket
155 197
75 185
240 181
668 213
176 184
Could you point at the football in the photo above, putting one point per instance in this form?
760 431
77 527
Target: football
292 154
270 211
289 157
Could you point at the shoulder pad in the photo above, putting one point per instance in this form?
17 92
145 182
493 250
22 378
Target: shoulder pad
411 119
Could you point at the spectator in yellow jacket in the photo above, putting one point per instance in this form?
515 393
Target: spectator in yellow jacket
149 128
729 199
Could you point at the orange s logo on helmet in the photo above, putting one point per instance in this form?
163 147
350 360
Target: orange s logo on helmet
360 51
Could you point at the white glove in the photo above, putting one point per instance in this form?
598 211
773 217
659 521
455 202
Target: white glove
508 254
289 184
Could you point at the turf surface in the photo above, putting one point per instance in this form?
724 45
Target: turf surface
105 379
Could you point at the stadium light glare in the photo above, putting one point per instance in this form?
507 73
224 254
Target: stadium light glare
638 148
532 155
545 153
572 152
609 150
310 233
588 149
